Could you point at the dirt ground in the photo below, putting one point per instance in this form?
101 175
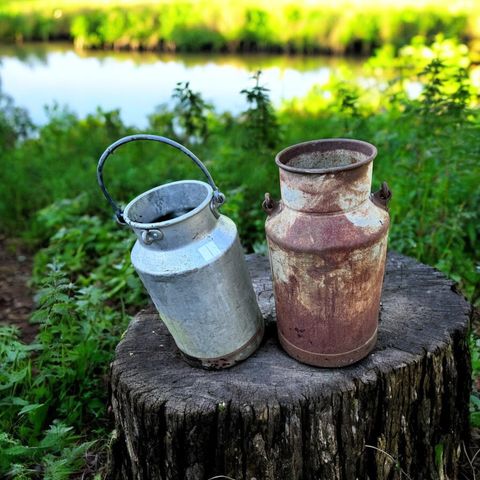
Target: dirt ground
16 297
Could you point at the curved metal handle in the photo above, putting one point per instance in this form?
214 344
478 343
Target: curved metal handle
218 197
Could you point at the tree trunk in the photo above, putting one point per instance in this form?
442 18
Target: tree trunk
402 412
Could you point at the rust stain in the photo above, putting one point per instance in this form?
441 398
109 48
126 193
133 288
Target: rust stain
328 243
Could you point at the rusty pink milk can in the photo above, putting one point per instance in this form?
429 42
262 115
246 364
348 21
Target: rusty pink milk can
327 240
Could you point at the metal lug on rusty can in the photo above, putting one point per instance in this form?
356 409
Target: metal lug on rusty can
190 260
327 240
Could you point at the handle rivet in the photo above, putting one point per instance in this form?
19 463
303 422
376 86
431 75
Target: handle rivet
150 236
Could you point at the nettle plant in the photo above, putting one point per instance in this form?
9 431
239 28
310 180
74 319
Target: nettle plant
54 391
260 122
192 112
447 89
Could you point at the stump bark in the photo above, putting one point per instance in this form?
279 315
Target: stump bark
400 413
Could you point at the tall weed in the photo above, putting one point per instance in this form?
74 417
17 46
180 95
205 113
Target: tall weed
260 121
191 112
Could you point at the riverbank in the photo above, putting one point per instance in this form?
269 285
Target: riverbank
244 26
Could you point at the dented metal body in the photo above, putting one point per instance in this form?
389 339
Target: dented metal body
190 260
327 240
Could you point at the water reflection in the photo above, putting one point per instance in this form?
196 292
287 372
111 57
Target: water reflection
134 82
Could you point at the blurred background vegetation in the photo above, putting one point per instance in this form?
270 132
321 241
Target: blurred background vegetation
53 419
285 26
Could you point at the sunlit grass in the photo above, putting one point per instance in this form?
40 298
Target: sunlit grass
453 6
246 25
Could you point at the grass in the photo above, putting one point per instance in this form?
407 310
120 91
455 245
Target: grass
54 392
206 25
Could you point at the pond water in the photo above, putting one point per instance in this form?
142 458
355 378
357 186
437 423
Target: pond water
38 75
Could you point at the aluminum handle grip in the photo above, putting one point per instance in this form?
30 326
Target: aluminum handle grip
218 197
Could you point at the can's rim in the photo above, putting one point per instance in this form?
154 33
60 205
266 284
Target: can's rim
166 223
325 145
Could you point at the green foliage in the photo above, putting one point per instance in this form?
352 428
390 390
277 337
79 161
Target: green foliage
15 123
445 90
191 111
87 30
348 100
258 31
342 27
474 342
54 391
96 253
434 143
57 455
260 121
195 38
60 165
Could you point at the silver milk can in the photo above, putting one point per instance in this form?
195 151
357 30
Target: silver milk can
327 240
190 260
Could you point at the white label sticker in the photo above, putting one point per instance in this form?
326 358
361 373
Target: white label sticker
209 250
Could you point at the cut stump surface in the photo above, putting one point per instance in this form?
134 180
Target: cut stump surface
402 412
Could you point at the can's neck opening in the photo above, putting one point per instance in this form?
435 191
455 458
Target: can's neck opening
172 215
340 157
168 205
326 156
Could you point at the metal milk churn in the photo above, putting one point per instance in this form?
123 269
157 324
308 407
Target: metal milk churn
327 240
190 260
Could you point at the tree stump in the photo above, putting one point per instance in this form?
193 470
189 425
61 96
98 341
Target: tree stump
400 413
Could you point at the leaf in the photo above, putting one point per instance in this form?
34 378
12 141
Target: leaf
475 419
15 378
57 435
17 450
475 402
13 401
30 408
